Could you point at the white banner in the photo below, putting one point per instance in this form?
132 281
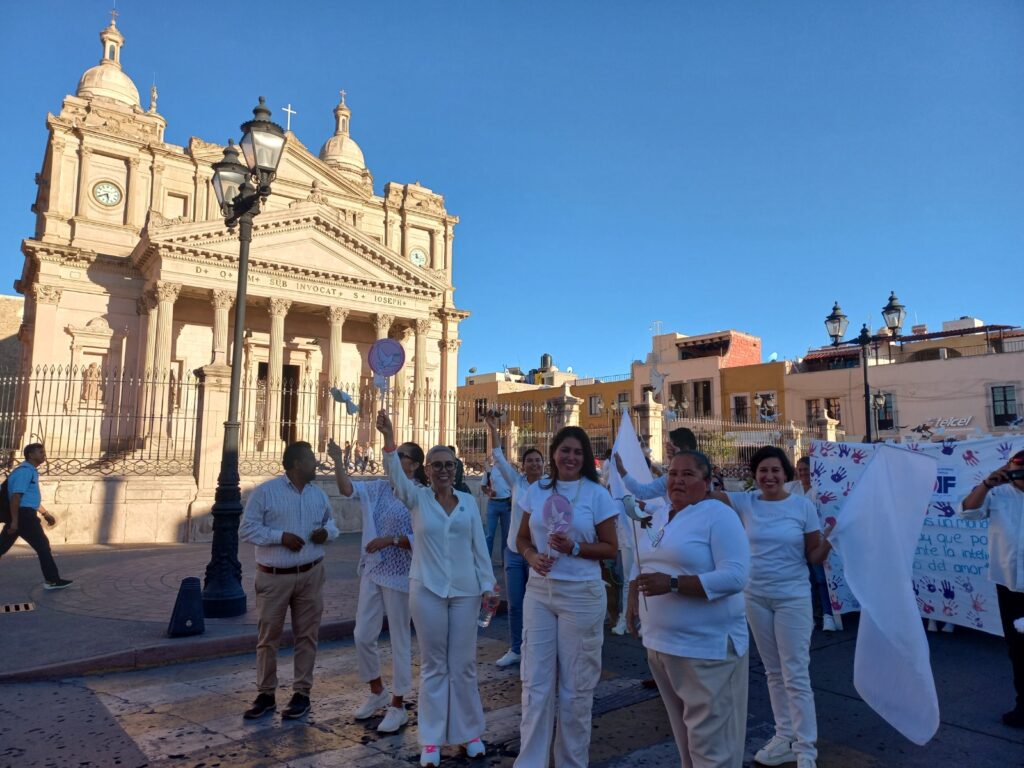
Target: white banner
951 560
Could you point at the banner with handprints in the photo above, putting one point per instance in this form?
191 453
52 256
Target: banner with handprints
951 560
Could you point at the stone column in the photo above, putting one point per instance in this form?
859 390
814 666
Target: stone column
420 405
166 294
47 297
56 205
275 363
405 238
650 415
85 158
222 301
133 198
449 238
449 348
336 316
382 325
401 408
435 255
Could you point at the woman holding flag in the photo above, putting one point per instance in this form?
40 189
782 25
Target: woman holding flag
695 630
567 528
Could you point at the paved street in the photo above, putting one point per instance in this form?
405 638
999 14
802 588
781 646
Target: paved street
189 713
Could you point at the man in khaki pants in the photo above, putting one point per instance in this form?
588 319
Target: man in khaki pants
288 519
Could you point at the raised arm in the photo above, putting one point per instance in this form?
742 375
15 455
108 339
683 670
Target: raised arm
340 474
405 489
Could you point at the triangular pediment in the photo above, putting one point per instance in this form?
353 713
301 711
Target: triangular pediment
299 167
308 241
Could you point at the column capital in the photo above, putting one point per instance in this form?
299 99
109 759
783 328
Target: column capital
279 307
84 151
223 299
166 291
337 315
422 325
449 345
46 294
145 304
382 323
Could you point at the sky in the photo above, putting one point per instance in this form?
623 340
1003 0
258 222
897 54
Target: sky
710 165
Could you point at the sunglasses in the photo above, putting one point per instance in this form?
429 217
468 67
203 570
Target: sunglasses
447 466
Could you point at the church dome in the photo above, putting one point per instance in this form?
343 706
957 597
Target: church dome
341 150
107 79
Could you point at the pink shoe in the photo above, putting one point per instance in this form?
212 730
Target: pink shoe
430 755
475 748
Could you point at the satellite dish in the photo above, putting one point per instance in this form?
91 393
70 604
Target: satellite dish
472 370
773 357
569 369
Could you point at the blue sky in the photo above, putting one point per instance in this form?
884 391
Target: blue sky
707 164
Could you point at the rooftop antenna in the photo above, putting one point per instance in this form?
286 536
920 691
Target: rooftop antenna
655 328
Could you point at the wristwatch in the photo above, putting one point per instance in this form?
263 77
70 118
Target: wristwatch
575 550
673 584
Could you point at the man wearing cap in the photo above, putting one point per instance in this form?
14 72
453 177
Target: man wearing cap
1000 498
289 519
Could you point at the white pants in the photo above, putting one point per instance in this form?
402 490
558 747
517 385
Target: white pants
782 631
563 631
706 702
449 706
374 602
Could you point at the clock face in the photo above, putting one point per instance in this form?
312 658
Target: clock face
418 257
107 193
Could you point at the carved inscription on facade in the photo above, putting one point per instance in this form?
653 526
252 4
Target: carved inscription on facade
301 286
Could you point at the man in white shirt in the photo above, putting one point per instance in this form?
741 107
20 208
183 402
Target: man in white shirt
288 519
499 509
1000 498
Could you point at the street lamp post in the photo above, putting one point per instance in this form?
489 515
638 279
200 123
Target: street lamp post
240 188
893 313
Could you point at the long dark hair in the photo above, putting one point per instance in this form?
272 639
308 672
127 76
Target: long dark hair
589 470
414 452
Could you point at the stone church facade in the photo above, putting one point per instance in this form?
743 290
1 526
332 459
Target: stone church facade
130 279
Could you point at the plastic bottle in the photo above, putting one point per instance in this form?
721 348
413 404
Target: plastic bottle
488 607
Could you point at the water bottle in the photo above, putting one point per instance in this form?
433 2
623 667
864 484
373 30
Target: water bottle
488 607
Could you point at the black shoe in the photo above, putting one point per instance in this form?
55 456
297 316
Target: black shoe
297 707
58 584
264 703
1014 718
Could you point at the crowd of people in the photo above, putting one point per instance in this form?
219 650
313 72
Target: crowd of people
710 571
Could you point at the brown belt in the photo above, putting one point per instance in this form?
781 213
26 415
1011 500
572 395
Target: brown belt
285 571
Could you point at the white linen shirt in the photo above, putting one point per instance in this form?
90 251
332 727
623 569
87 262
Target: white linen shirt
591 505
775 530
277 507
656 489
450 554
1004 508
705 540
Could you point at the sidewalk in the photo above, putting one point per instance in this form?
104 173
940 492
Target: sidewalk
115 615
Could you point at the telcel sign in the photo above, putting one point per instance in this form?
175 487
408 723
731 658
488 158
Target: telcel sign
964 421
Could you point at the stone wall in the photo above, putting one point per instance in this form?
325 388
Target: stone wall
156 510
12 310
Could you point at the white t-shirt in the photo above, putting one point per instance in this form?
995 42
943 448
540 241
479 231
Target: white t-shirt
591 505
704 540
775 529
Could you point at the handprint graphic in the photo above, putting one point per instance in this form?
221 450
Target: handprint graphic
978 603
844 450
858 456
1004 450
948 445
819 469
925 606
839 475
943 509
827 497
947 590
827 449
971 458
849 487
949 608
975 619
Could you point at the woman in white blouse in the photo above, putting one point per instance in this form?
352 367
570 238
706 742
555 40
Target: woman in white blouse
784 536
565 604
384 584
516 569
450 572
696 561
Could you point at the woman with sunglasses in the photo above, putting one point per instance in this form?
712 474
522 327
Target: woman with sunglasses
516 569
784 535
384 584
695 565
568 527
450 571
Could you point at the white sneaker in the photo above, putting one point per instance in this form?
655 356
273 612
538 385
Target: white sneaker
947 628
394 718
475 748
430 755
510 658
777 751
828 623
932 626
620 626
375 702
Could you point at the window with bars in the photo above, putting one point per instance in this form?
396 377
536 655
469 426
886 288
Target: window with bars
740 408
812 411
834 408
1004 405
887 413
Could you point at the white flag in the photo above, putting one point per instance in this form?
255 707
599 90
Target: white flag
627 445
876 535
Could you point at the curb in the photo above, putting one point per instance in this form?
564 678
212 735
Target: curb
148 656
